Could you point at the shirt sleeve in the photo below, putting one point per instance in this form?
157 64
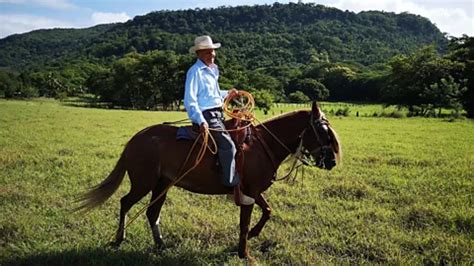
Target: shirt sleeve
190 98
223 93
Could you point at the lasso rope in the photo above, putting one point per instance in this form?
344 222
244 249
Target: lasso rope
243 113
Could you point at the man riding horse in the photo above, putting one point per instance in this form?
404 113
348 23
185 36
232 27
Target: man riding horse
155 159
203 101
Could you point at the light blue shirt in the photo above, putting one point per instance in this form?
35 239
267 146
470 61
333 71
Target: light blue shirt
201 90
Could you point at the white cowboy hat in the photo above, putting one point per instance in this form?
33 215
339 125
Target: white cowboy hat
203 42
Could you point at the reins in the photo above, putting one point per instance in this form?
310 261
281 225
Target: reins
297 156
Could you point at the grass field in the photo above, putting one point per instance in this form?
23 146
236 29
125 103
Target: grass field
404 195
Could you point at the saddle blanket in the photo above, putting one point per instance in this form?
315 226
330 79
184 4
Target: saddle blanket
186 133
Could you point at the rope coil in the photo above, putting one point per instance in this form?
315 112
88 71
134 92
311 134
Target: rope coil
244 108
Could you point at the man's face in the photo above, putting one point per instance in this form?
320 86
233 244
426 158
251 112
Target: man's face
207 56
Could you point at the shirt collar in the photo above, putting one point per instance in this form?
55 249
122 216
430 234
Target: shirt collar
201 65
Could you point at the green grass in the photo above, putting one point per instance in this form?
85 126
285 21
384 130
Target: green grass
404 195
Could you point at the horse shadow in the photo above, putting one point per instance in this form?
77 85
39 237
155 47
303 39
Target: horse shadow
108 256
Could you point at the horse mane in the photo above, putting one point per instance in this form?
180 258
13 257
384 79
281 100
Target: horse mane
284 115
336 144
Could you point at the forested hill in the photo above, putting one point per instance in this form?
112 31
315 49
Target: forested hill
252 37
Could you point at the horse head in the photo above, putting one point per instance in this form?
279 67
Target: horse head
320 141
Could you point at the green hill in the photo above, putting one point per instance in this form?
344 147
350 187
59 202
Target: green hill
252 37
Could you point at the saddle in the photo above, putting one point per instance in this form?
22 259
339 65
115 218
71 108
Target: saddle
241 138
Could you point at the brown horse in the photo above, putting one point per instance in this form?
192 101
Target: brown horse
153 158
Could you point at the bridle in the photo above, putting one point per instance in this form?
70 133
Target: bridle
301 154
322 148
305 155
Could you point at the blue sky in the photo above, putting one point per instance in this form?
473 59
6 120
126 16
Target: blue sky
456 17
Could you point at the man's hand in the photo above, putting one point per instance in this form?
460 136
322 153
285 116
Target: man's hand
232 92
203 127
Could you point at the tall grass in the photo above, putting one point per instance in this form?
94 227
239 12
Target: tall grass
404 195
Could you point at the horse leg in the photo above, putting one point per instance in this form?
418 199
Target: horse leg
137 192
153 212
245 215
266 211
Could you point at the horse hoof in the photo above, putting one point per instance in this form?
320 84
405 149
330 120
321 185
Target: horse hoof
156 249
246 256
250 260
161 247
159 244
113 245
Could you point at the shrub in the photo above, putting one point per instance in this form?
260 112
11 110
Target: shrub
298 97
394 114
343 112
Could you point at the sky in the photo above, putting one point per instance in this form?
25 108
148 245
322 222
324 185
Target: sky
454 17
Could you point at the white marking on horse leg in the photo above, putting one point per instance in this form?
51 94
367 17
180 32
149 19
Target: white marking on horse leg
157 237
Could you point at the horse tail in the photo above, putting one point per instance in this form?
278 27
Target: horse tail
101 192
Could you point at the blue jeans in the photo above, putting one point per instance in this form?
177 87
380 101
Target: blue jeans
225 145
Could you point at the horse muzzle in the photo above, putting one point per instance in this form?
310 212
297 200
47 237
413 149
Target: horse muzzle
325 158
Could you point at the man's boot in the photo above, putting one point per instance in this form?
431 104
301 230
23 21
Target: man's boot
240 198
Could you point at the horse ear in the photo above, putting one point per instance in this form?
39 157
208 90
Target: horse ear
315 110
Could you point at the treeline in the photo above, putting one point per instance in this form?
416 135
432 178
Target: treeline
423 81
252 37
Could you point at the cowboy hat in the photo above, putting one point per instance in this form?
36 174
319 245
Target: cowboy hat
203 42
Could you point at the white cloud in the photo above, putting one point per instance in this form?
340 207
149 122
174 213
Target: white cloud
455 21
57 4
102 18
54 4
20 23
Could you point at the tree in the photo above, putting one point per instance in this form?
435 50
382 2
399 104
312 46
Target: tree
411 78
338 80
142 81
366 86
9 84
462 50
263 99
298 97
312 88
446 93
99 82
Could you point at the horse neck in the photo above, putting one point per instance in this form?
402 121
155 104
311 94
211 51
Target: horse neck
286 128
